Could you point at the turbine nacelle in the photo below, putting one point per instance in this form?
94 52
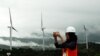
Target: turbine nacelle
42 28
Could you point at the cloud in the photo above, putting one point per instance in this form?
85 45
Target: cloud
17 43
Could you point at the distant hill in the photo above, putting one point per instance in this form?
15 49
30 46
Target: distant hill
4 46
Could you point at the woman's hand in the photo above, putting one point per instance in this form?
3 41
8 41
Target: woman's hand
55 34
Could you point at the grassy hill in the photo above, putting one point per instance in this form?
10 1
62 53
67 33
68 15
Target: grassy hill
94 50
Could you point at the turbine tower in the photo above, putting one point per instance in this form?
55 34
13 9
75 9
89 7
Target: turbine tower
42 28
86 36
11 28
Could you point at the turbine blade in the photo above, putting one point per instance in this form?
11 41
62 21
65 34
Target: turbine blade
14 29
41 21
85 28
42 27
10 17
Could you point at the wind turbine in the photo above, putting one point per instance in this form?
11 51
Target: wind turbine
42 28
11 28
86 37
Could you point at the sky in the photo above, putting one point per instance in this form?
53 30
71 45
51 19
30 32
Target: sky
57 15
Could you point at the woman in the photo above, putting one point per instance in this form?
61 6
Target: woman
69 47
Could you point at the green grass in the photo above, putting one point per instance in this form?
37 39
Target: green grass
94 50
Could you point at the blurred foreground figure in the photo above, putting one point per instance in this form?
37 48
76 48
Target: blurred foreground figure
69 47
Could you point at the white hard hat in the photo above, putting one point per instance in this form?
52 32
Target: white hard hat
70 29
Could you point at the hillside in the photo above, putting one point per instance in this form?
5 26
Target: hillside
26 51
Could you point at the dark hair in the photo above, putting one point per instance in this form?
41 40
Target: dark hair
72 36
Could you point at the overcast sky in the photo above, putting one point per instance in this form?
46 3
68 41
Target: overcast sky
57 15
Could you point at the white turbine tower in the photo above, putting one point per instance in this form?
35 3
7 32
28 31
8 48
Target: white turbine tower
86 36
11 28
42 28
